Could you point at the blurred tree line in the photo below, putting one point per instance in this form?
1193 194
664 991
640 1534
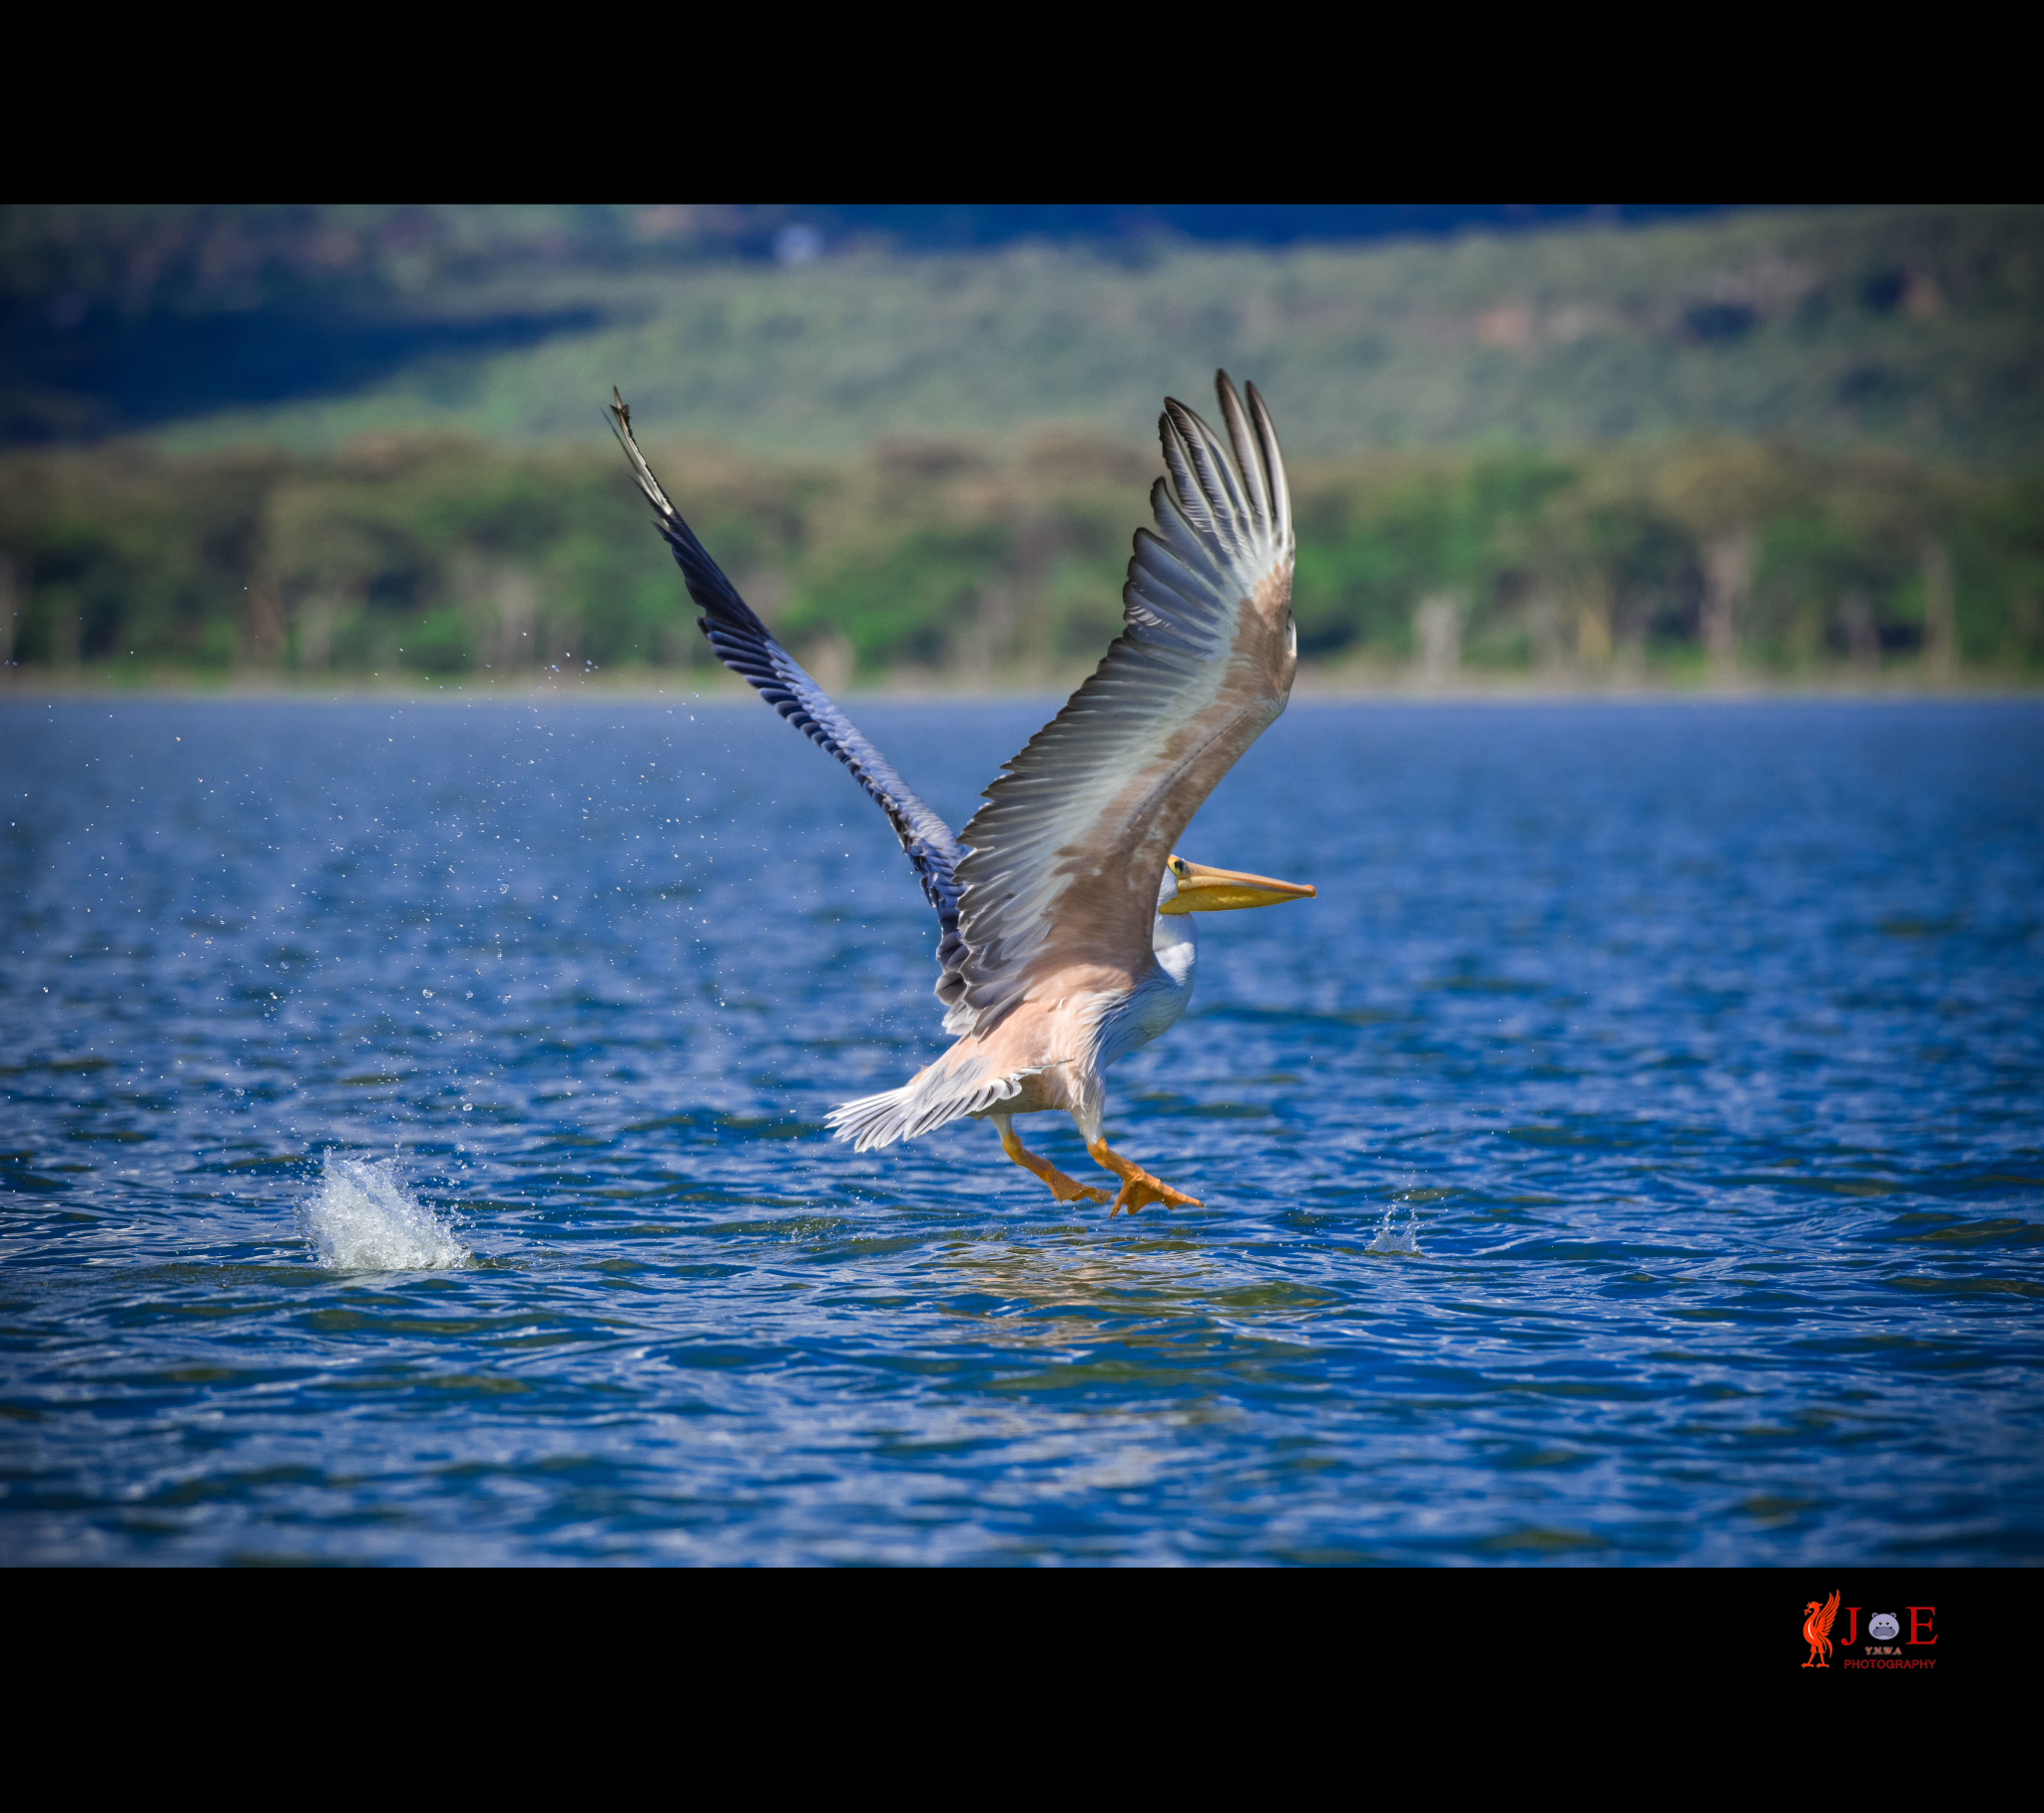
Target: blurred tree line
984 565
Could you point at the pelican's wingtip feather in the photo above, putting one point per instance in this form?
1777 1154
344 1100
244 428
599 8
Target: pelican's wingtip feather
745 645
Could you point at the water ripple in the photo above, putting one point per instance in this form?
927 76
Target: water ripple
1633 1156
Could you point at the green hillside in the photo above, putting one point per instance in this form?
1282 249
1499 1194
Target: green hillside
1920 329
1791 444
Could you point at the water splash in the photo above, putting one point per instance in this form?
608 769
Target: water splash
364 1219
1392 1238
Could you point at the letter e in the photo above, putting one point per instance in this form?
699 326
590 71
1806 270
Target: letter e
1916 1624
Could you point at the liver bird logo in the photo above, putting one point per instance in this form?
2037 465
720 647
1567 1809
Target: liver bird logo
1817 1630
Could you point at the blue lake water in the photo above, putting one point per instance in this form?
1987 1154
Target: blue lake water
411 1149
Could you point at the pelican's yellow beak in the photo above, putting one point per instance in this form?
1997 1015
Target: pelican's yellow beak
1205 890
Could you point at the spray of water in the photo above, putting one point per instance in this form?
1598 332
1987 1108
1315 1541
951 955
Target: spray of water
1392 1238
361 1218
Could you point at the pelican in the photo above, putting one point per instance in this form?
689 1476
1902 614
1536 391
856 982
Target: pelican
1065 909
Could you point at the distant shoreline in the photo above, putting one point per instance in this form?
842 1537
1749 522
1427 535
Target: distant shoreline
1312 687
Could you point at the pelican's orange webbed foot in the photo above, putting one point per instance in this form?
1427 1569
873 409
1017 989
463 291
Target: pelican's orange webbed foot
1064 1189
1138 1185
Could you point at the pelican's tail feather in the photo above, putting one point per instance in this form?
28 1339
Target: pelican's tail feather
954 1085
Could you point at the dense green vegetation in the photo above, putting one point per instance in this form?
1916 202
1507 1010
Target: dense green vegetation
992 563
368 442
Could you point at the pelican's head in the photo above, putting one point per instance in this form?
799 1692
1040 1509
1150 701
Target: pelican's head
1192 887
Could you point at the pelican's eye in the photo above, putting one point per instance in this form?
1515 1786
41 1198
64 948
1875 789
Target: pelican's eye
1179 869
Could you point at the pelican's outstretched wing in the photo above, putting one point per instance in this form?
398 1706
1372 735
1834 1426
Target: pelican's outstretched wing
744 646
1065 858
